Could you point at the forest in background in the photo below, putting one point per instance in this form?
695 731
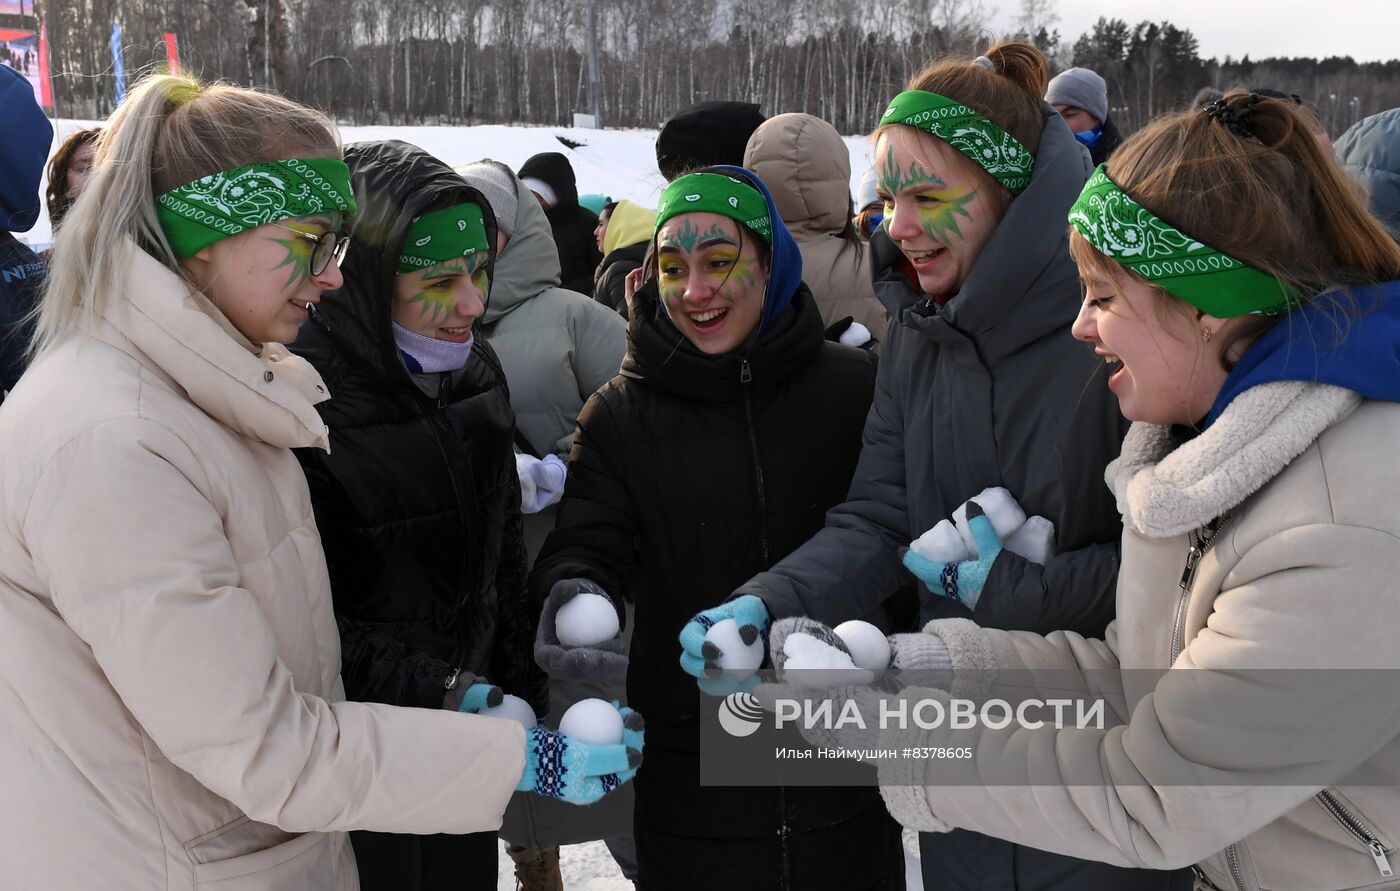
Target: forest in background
526 61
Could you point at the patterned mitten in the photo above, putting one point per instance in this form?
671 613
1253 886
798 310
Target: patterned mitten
700 658
962 581
563 768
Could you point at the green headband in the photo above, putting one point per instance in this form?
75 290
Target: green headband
1134 237
715 193
217 206
983 142
433 238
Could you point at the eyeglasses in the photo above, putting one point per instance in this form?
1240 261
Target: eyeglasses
330 245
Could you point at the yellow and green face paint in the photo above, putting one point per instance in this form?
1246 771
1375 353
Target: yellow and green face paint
719 257
436 297
300 248
939 206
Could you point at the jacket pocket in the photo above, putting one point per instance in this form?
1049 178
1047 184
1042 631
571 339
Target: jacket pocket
306 863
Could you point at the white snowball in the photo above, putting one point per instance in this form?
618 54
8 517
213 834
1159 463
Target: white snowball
513 708
592 722
1035 540
941 544
736 655
587 620
869 647
1006 515
857 335
805 652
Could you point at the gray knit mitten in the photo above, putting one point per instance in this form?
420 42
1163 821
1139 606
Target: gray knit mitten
919 651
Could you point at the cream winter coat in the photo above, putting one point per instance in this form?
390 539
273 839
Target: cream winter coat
1304 572
806 166
171 711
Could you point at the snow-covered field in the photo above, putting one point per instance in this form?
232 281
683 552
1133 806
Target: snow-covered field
618 163
590 867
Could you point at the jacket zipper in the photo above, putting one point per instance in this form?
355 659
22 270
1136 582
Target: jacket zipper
1232 858
745 378
1359 830
459 473
1200 543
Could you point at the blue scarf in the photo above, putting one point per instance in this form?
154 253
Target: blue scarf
428 355
1089 138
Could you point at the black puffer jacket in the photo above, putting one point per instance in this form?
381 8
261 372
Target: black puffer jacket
571 223
689 473
418 502
610 281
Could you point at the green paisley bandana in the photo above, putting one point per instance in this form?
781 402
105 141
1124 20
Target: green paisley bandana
715 193
984 143
433 238
217 206
1132 236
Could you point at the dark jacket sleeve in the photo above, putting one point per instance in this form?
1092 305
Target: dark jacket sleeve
375 666
852 565
513 666
595 536
1075 591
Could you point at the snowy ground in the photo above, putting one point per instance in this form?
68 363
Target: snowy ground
618 163
590 868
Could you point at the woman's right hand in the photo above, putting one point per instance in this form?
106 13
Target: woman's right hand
557 766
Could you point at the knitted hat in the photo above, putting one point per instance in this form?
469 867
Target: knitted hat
1080 88
711 132
867 195
494 180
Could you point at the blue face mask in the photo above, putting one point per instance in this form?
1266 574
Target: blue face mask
1089 138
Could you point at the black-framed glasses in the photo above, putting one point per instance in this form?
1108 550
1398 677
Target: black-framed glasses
330 245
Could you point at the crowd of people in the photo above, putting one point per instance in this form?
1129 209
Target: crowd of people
307 447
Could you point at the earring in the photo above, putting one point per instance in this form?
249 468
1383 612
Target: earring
1206 335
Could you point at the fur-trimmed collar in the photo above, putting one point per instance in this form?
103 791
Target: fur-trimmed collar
1163 492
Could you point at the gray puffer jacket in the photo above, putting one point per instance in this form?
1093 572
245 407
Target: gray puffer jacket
1370 150
988 390
556 346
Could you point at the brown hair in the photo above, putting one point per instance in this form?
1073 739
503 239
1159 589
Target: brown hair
1262 190
56 195
1008 93
1006 90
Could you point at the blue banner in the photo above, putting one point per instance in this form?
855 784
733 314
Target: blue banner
117 71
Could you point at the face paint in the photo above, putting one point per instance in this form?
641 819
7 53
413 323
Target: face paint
893 180
939 206
435 298
688 236
298 259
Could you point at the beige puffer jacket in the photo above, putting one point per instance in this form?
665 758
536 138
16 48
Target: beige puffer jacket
1302 574
807 168
171 711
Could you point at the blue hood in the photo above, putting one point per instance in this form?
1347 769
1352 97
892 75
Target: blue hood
1305 346
785 270
23 149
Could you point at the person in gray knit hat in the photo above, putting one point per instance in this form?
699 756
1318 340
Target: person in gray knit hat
1081 98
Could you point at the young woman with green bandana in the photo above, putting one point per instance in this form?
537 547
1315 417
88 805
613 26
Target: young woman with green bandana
418 504
1249 309
170 663
731 429
981 385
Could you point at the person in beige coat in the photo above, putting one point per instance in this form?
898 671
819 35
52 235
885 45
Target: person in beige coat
169 661
1255 349
808 168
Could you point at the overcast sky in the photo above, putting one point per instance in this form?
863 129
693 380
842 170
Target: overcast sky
1366 30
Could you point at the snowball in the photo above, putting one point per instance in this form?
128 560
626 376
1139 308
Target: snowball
803 651
1035 540
941 544
592 722
857 335
868 645
587 620
1006 515
735 655
512 708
